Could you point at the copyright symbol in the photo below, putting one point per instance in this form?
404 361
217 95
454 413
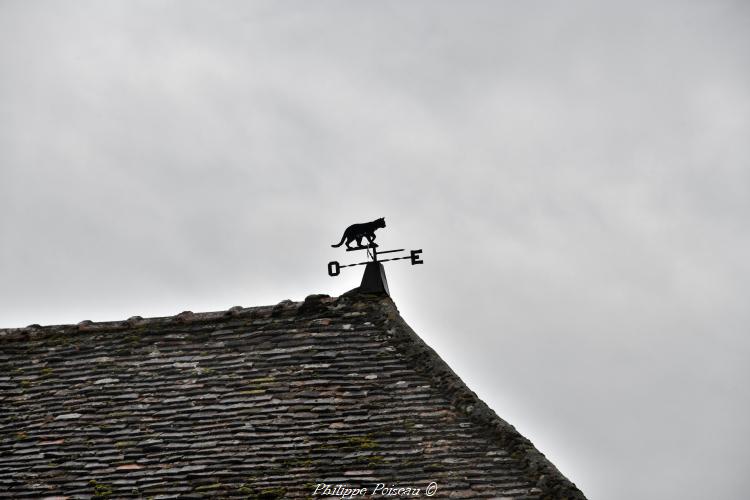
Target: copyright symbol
431 489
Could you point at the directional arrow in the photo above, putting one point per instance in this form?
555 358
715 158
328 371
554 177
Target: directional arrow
334 268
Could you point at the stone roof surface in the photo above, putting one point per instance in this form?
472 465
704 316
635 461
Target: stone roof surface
261 402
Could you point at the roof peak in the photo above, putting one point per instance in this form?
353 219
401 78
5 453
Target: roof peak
287 307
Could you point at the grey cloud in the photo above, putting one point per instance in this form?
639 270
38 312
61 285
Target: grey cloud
576 174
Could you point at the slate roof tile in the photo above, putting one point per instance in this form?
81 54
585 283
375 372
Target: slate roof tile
250 402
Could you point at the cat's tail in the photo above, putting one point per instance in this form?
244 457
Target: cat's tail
340 242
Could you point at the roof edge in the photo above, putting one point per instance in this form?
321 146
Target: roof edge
35 331
547 477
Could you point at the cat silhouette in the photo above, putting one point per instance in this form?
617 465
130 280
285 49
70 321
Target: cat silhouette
359 231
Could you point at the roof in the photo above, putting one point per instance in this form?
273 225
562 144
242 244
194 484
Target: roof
260 402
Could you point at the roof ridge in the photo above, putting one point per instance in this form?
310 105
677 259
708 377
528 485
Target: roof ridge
424 359
36 331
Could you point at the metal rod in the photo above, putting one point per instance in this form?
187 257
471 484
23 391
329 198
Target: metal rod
359 248
395 258
357 264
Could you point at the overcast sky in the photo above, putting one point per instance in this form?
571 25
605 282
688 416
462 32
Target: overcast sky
576 173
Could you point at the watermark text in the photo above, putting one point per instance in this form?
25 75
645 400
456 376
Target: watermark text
380 490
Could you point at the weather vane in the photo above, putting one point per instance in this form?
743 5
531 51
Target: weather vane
373 280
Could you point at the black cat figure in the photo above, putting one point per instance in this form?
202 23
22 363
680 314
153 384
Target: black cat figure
359 231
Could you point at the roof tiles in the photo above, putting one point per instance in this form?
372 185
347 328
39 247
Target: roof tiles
262 402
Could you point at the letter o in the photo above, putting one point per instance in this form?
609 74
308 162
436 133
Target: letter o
333 268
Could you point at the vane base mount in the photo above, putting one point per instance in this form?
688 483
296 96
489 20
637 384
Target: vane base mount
374 280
